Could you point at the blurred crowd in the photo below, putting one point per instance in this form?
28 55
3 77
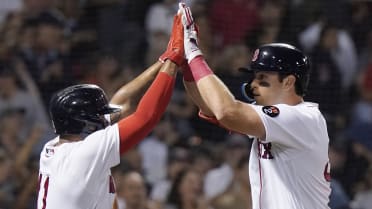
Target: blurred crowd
185 163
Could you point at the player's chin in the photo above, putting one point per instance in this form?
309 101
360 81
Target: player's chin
258 99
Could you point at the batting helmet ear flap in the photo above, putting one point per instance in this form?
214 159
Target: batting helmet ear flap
247 92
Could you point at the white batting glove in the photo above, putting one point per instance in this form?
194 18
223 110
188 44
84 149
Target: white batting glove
190 33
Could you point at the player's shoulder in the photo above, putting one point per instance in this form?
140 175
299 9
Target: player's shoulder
310 106
48 148
51 142
298 106
107 131
280 110
100 137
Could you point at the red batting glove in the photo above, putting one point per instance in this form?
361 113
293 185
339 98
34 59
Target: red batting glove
175 49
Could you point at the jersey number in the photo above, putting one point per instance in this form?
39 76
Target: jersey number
45 187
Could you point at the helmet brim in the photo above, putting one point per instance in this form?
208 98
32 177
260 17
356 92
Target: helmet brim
111 108
245 69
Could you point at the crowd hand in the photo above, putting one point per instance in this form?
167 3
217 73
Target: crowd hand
175 49
202 203
190 33
36 133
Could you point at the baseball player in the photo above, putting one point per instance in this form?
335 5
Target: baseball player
92 134
288 165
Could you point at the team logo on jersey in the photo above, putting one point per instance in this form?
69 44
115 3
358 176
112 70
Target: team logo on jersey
271 111
49 152
264 150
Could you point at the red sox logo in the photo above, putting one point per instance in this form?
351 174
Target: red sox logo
264 151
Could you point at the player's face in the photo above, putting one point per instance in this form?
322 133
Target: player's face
266 88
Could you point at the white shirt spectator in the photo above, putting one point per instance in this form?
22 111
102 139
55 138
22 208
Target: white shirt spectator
217 181
154 153
345 55
9 6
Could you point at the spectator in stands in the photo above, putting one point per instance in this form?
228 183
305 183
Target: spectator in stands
365 54
363 196
180 111
362 109
358 156
325 86
343 51
202 158
117 27
72 11
272 26
10 33
132 159
43 56
228 185
178 161
155 151
14 97
360 26
223 19
230 59
187 192
11 120
338 199
158 25
105 71
131 191
7 184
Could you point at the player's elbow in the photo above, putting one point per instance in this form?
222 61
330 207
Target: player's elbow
226 112
148 118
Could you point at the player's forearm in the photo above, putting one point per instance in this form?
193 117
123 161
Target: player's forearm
157 97
194 94
150 109
134 87
213 91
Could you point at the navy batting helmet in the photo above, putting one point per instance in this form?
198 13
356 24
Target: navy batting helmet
284 59
79 109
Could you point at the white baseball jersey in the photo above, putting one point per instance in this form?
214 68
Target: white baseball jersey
76 175
290 167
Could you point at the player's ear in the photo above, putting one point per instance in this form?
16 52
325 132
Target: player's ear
289 81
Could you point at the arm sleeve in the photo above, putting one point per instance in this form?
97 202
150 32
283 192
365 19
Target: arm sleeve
148 113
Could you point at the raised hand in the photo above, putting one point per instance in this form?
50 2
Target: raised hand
190 33
175 49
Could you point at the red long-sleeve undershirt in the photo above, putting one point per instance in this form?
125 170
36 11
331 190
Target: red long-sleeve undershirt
150 109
